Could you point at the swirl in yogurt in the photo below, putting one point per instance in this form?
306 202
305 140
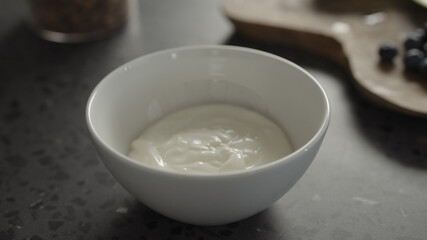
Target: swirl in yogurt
211 138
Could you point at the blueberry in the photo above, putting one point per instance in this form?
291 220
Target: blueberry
414 40
424 47
412 59
421 32
422 68
387 51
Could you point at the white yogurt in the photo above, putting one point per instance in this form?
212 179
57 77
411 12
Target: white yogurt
211 138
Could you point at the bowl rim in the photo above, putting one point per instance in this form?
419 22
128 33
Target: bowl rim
122 157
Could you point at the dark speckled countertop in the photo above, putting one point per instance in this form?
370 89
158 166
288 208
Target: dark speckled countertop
369 180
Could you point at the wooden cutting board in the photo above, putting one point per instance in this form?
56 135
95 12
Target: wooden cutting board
350 33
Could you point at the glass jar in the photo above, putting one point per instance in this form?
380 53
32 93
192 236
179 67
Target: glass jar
76 20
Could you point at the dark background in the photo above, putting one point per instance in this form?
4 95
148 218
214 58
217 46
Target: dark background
369 180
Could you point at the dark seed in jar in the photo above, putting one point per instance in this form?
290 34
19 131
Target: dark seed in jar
78 16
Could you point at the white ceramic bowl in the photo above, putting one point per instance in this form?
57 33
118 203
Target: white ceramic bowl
142 91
